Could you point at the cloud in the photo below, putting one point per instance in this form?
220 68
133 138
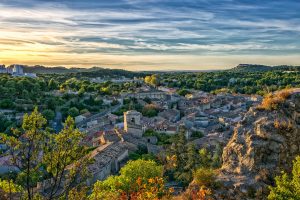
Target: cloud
178 28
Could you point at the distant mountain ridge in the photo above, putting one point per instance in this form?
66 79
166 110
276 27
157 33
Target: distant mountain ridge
83 72
261 68
39 69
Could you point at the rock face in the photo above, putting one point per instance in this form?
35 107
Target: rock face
263 144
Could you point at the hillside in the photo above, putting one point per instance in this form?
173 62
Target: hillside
38 69
263 68
82 72
263 144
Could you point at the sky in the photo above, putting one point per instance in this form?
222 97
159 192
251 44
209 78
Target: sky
150 34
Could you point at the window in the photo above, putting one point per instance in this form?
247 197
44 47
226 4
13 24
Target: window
132 120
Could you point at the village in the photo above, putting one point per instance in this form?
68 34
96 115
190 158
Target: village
208 121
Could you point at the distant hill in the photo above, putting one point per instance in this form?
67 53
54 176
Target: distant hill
38 69
262 68
83 72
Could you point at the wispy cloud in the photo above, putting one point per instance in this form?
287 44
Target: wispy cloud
117 33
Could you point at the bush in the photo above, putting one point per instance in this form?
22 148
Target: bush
48 114
6 104
150 110
73 112
197 134
183 92
287 185
136 177
205 177
273 101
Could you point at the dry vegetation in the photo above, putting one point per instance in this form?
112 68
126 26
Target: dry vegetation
273 100
283 125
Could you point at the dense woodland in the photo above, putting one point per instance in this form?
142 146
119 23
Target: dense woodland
234 82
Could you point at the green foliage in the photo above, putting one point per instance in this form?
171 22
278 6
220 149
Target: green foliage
287 186
205 177
129 104
244 82
114 186
142 153
183 92
48 114
6 104
150 110
25 149
73 112
61 151
152 80
162 138
183 159
53 84
5 124
8 189
197 134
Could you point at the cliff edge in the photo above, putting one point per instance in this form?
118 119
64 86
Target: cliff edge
263 144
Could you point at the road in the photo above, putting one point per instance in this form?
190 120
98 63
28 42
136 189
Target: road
57 122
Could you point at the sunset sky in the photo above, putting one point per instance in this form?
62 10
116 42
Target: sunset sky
150 34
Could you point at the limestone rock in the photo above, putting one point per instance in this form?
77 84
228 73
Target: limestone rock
263 144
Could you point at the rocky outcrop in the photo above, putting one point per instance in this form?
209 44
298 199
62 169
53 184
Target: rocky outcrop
263 144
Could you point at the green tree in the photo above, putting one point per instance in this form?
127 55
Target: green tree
25 149
48 114
132 175
73 112
40 155
150 110
53 85
10 190
182 158
64 150
287 186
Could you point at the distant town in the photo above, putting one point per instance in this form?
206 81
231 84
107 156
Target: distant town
15 70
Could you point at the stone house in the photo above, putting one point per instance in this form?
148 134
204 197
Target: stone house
171 115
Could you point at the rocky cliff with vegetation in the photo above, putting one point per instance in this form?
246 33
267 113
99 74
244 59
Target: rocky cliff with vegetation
264 143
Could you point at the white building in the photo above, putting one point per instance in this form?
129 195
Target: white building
18 70
2 69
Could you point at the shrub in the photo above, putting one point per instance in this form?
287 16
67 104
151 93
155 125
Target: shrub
283 125
273 101
287 185
205 177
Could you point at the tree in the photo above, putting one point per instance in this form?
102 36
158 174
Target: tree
6 103
53 85
205 158
25 149
48 114
205 177
287 186
73 112
40 155
182 159
63 150
9 190
136 178
152 80
183 92
150 110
